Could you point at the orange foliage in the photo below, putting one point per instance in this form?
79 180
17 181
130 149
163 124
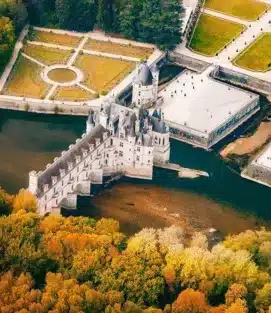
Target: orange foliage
190 301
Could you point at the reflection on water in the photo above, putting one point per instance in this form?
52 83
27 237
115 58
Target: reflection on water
29 141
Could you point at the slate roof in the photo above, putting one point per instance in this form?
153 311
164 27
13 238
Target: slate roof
145 76
69 156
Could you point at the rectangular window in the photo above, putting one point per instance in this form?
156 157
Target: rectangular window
138 149
137 158
121 144
121 153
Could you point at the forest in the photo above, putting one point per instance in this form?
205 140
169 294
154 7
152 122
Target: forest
151 21
77 264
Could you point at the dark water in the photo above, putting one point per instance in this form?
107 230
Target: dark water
29 141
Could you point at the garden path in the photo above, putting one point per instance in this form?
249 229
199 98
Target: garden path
17 48
225 57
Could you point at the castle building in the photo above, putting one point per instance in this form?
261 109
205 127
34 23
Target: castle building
118 140
145 86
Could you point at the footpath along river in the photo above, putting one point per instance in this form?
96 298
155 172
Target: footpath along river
224 201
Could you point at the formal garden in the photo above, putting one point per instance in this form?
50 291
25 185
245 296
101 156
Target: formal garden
71 67
212 34
248 10
257 57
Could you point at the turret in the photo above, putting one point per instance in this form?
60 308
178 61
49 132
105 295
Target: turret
33 182
90 122
103 118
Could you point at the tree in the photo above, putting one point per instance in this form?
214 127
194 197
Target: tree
263 298
105 15
239 306
26 201
7 40
190 301
236 291
5 202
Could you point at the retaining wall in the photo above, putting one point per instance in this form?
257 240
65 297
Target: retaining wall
242 80
188 62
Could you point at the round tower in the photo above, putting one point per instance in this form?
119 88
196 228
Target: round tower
145 86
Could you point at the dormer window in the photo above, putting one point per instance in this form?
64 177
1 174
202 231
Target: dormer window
62 172
70 165
45 188
54 180
77 159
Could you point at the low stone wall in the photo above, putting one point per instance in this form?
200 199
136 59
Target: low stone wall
188 62
47 108
242 80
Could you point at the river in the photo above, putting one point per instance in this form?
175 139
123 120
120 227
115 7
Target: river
225 200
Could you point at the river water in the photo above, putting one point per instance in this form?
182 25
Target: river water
225 200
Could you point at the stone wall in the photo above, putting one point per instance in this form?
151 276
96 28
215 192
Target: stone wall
188 62
47 108
242 80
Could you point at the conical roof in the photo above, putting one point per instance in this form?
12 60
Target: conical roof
144 76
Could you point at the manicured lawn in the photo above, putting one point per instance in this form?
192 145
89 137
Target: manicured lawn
101 73
48 56
25 80
58 39
72 94
257 56
244 9
114 48
212 34
62 75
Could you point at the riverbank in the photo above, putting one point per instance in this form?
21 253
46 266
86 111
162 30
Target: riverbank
139 206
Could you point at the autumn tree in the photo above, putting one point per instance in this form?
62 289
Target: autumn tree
7 40
6 201
26 201
190 301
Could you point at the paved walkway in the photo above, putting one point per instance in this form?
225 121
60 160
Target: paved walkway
223 16
87 51
17 48
97 35
34 60
254 30
77 50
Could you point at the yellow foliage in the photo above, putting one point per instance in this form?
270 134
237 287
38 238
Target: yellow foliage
237 307
236 291
25 201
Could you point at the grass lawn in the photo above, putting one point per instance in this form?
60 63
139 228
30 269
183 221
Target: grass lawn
58 39
115 48
48 56
62 75
101 73
25 80
72 94
257 56
244 9
212 34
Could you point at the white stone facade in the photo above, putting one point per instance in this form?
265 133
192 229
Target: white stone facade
145 86
118 140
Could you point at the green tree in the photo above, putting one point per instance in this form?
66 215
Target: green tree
7 40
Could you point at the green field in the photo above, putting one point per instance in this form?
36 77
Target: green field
72 94
257 56
25 80
244 9
57 39
62 75
212 34
102 73
47 56
115 48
